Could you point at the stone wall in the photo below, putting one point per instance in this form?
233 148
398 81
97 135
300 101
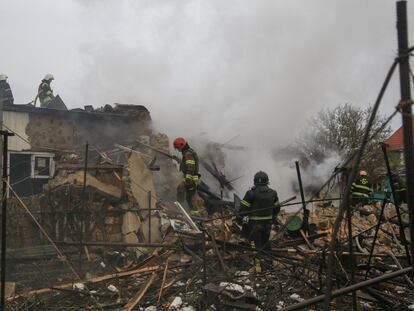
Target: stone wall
50 131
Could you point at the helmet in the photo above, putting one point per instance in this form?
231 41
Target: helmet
179 143
261 178
49 77
3 77
363 173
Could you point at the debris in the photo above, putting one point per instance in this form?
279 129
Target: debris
112 288
79 286
296 297
137 298
176 303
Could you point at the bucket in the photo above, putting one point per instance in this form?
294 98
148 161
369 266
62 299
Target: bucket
293 224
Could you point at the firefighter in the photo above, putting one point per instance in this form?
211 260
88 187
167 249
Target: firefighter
361 189
259 209
189 167
399 188
45 92
6 95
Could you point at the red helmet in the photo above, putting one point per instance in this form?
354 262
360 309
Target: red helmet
179 143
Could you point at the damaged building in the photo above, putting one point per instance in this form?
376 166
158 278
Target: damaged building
47 162
116 239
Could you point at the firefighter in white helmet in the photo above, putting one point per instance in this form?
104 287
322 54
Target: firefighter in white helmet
45 92
6 95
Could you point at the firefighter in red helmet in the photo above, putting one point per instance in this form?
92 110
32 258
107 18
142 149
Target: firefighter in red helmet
189 167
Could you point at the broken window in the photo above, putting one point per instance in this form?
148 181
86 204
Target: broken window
42 166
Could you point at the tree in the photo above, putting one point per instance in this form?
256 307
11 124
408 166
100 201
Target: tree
340 130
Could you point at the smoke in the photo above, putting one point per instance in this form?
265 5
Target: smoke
257 69
254 69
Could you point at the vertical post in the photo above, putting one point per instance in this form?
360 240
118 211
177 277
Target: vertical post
302 195
351 251
149 216
397 208
371 252
5 135
406 111
82 212
204 258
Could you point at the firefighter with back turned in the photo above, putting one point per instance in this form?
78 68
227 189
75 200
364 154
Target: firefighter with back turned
259 209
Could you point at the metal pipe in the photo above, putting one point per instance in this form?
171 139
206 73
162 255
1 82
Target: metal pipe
116 244
149 216
397 208
351 247
346 290
5 135
371 251
302 195
406 103
358 156
82 212
184 212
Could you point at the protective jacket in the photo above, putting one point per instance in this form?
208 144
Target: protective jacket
264 200
400 189
45 93
189 166
361 188
6 93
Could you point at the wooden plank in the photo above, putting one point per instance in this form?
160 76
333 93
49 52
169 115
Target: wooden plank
216 250
141 293
88 256
306 239
89 281
164 277
90 167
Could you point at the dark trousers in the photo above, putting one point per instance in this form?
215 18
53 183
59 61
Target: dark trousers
259 233
184 194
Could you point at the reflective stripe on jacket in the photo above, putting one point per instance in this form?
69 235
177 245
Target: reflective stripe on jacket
260 203
189 165
361 188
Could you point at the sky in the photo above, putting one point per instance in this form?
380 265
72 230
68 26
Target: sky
257 70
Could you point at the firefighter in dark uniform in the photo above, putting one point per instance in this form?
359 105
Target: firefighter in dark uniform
259 209
6 95
45 92
189 166
399 188
361 189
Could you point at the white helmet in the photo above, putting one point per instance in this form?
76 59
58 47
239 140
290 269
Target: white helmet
3 77
49 77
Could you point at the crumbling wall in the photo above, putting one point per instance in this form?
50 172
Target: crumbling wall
68 130
21 229
124 124
50 131
138 182
168 177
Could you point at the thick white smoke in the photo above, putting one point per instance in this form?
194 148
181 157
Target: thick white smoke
257 69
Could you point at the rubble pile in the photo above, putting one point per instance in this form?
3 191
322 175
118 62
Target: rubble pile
210 268
114 238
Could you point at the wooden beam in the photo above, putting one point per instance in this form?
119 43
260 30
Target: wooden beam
141 293
164 277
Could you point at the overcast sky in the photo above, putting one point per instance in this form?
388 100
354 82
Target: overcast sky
259 69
